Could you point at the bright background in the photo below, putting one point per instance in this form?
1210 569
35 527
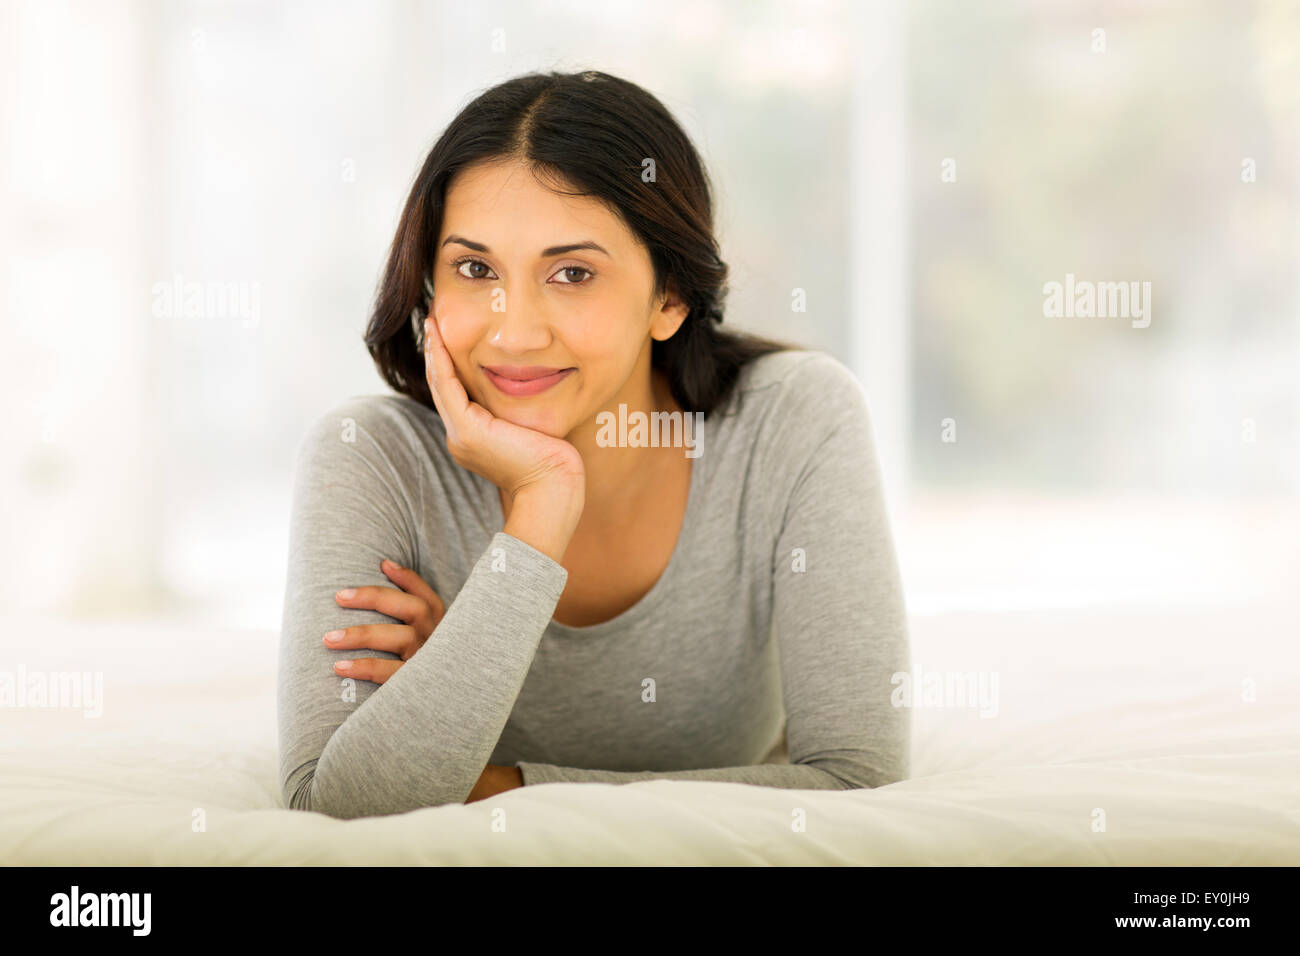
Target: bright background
145 471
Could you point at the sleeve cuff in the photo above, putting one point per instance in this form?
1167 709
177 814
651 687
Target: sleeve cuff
545 576
535 773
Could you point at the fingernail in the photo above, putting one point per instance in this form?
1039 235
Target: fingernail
348 593
344 665
387 565
333 637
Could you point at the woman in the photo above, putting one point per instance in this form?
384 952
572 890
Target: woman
545 588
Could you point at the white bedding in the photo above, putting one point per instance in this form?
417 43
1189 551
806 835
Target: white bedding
1138 714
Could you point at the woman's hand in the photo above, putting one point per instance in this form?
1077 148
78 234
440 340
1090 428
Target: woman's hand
510 456
415 603
421 609
495 779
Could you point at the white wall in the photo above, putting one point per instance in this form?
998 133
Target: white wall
146 464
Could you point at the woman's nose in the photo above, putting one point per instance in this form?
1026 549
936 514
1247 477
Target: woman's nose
519 322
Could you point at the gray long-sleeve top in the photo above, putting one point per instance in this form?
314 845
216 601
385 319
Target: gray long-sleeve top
777 624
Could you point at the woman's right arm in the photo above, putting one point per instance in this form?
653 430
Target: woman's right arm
351 748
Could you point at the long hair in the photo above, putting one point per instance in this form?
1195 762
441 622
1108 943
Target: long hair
598 134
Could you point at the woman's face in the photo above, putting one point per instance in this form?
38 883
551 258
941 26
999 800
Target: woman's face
505 296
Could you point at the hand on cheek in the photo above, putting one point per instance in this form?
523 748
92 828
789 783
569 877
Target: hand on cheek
450 329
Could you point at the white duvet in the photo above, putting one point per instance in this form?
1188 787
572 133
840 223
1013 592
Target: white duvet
1125 736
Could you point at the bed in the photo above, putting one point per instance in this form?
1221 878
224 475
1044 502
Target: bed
1120 736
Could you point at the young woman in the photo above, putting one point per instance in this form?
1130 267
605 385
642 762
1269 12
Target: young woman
502 577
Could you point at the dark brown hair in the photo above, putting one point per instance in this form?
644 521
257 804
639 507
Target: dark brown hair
594 132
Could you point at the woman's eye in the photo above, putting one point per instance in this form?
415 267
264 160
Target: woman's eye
571 269
461 263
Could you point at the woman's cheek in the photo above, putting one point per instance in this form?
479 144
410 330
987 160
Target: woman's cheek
441 307
457 331
598 328
452 325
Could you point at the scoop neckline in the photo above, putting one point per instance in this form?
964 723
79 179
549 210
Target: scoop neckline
661 586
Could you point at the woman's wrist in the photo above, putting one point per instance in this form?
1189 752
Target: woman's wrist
545 519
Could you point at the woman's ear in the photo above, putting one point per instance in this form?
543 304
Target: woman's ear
669 314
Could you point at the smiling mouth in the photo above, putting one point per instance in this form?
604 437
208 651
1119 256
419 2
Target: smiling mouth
525 381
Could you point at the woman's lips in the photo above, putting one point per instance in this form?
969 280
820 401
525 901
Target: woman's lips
524 381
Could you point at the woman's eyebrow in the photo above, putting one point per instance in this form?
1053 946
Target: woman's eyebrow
546 253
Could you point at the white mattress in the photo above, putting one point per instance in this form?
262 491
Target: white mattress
1137 714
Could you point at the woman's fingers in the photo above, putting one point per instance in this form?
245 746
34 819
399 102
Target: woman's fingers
409 581
440 372
395 638
375 669
397 604
431 343
416 604
459 414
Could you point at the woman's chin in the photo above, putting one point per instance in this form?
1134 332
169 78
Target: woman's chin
541 420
